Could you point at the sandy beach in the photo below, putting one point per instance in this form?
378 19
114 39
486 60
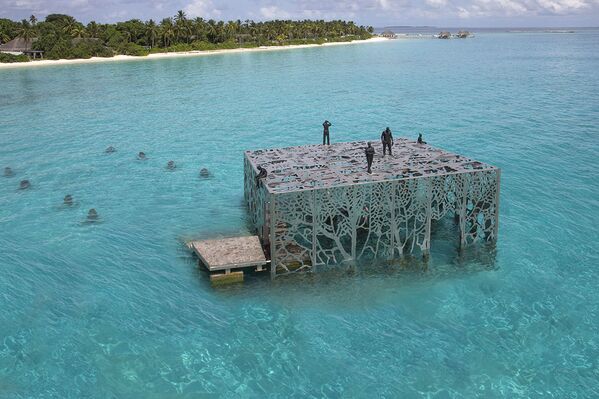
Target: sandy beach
41 63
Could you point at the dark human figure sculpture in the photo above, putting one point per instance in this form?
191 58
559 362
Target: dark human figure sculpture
369 156
420 141
68 200
171 165
24 184
141 155
92 215
325 133
387 140
110 150
204 172
8 172
262 173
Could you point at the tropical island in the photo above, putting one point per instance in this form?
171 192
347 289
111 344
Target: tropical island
61 36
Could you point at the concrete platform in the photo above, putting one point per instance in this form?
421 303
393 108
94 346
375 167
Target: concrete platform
230 253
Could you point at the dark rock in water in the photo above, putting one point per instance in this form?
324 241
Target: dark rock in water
141 155
92 215
171 165
68 199
24 184
8 172
204 172
110 150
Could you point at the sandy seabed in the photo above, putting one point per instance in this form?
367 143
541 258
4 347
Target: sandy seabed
33 64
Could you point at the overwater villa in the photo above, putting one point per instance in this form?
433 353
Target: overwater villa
389 34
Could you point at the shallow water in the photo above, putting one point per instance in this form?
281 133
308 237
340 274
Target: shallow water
119 308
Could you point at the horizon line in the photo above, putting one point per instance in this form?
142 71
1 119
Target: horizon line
486 27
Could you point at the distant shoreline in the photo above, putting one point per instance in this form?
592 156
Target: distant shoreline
154 56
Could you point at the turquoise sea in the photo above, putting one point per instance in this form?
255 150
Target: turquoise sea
119 309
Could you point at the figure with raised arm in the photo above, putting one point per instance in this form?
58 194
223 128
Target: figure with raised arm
387 140
325 133
369 156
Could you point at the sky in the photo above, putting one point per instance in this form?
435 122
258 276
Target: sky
378 13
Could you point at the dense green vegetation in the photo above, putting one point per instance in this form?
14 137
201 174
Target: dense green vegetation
13 58
61 36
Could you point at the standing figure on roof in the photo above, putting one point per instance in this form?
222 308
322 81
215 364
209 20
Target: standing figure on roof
369 156
325 133
387 140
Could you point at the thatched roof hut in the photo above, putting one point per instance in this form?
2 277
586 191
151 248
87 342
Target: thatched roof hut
444 35
389 34
463 34
17 45
20 45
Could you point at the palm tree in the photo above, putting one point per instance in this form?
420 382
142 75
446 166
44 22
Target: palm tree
25 30
167 31
151 32
181 16
93 29
69 26
78 31
199 28
211 33
181 26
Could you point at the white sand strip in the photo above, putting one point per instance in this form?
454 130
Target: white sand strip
33 64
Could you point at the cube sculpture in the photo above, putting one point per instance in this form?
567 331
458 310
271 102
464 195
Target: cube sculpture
319 206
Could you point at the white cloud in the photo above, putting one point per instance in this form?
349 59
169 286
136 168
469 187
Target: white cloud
375 12
513 8
487 8
436 3
274 12
563 6
202 8
29 6
463 13
384 4
505 7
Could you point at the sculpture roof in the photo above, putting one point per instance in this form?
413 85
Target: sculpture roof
318 166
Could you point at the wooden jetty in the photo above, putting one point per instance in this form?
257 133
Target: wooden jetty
227 257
